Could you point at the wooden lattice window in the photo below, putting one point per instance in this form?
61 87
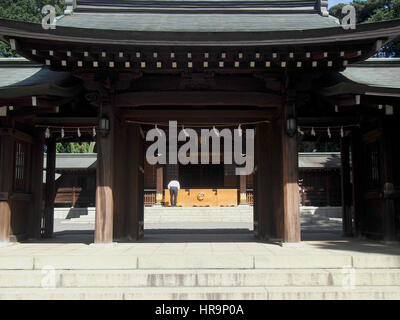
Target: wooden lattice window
373 166
21 183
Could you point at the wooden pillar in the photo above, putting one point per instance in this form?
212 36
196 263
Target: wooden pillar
256 185
36 213
357 171
121 190
105 181
135 208
50 190
347 220
7 155
141 160
291 203
242 190
389 215
159 185
268 182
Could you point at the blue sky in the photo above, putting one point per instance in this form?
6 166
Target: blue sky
332 3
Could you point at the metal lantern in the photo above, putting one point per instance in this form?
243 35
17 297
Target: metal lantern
291 127
104 126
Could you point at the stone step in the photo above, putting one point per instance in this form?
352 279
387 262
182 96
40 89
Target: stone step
114 260
204 278
205 293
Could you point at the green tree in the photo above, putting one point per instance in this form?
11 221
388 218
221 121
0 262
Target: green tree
72 147
27 11
374 11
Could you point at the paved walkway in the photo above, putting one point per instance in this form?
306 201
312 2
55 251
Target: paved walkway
228 248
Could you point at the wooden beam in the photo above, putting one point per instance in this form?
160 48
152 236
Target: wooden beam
121 190
389 216
35 215
197 98
6 183
291 201
159 185
347 219
66 120
105 182
50 190
269 191
135 208
357 171
199 116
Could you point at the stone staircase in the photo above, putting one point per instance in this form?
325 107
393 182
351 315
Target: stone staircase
240 214
200 277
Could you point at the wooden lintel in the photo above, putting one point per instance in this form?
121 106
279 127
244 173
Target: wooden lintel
196 116
198 98
66 120
334 120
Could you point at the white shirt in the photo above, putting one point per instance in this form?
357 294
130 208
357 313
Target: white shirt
174 183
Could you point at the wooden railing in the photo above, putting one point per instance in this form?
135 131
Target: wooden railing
149 198
249 197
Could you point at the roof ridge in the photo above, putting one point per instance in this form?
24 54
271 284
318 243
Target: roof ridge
195 5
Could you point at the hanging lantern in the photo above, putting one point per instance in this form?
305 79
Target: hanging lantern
104 126
291 127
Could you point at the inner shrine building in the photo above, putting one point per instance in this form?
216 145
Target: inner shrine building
116 69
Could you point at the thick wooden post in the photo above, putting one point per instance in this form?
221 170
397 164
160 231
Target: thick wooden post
121 188
7 155
357 171
291 202
35 216
256 184
105 182
50 190
159 185
389 216
135 209
347 220
268 182
141 159
242 190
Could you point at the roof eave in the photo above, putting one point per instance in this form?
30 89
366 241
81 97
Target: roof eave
386 30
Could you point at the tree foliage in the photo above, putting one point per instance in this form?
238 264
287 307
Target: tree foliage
73 147
374 11
27 11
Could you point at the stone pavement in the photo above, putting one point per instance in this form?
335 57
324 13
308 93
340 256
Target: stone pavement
201 260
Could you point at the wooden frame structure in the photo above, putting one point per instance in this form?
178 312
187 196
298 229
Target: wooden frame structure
260 74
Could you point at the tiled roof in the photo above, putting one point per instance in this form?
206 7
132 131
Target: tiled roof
383 73
19 77
373 75
175 22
